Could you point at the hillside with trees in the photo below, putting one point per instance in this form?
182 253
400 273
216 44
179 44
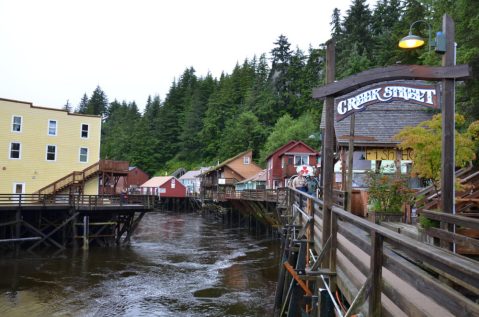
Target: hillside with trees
266 100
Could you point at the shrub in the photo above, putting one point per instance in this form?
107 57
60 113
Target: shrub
388 193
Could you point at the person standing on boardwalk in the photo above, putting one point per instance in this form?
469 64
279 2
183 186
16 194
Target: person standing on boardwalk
300 183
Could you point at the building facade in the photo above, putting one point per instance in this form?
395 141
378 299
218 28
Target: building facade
164 186
40 145
283 162
221 179
192 181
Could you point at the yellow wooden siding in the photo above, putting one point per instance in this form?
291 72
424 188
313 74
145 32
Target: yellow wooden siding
91 187
33 169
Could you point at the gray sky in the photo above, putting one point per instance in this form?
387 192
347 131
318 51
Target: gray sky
54 50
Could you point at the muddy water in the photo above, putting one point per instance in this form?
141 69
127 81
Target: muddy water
176 265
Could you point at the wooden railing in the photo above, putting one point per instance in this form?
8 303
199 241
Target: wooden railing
464 235
427 197
78 177
394 273
267 195
113 166
214 182
74 201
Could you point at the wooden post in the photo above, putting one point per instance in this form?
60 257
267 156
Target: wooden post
333 250
328 169
376 265
18 229
349 185
448 124
85 232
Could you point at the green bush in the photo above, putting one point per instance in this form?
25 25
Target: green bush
427 223
388 193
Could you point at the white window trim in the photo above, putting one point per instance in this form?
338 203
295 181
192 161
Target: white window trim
15 187
246 160
21 123
81 131
307 159
10 151
56 127
80 155
46 153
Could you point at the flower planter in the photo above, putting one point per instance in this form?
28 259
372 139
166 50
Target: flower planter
379 216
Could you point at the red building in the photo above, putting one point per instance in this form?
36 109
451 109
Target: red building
282 163
136 177
130 182
164 186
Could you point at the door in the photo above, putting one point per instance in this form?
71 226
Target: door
18 189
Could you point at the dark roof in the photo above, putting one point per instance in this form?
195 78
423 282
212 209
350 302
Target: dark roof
382 121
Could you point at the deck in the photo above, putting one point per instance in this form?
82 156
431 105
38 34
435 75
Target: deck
31 221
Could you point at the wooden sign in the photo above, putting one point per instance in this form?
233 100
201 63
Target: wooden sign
388 154
422 94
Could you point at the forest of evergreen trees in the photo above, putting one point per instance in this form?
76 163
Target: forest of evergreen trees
266 100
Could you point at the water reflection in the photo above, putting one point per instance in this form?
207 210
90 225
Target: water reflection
177 265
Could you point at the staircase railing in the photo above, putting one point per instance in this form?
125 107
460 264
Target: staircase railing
78 177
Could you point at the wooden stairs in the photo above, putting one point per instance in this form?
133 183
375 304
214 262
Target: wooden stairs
76 180
466 205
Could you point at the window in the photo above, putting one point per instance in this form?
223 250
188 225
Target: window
246 160
301 160
16 124
83 154
18 188
51 152
173 183
15 150
52 127
84 131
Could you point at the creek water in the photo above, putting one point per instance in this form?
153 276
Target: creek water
176 265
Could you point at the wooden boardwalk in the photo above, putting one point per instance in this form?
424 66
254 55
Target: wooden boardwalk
31 221
364 268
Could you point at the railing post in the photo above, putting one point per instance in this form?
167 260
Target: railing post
328 147
333 250
376 265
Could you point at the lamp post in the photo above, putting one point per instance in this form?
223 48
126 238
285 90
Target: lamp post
444 44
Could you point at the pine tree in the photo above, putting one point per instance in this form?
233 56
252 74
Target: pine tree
82 107
67 106
98 103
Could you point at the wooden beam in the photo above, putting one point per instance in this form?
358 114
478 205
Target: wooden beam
453 237
448 127
296 277
376 267
452 219
53 231
328 147
357 138
376 75
32 228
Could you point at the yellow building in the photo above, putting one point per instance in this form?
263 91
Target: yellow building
40 145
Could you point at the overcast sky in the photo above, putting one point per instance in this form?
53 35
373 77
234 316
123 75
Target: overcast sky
52 51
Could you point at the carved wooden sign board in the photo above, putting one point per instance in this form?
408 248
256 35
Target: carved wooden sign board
413 92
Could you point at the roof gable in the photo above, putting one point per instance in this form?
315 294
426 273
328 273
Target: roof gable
290 146
156 181
226 162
